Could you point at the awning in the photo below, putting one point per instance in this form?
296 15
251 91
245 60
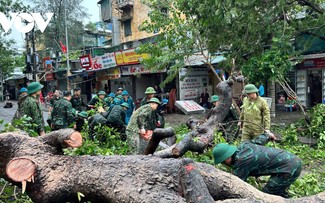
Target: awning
199 59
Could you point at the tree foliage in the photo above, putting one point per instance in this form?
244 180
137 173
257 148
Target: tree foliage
55 32
8 61
240 30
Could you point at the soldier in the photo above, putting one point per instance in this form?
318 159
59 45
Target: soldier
228 128
22 97
128 99
77 101
80 121
31 107
95 120
63 115
110 99
56 97
143 122
150 93
116 118
255 115
118 100
252 159
98 101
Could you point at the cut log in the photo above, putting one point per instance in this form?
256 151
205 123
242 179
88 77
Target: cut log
20 169
63 138
199 138
59 178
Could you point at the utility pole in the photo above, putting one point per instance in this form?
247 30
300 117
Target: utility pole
34 55
67 45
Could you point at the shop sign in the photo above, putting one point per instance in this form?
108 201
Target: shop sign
312 63
85 61
49 77
109 74
129 56
47 63
103 62
192 82
133 70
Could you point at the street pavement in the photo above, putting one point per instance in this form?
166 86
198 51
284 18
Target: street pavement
7 114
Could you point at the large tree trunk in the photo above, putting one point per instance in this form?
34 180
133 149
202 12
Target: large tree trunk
202 135
58 178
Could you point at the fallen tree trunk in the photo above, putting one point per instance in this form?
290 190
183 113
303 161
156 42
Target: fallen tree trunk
59 178
199 138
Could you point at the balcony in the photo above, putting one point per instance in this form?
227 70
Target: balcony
124 3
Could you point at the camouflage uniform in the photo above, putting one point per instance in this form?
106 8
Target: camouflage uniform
54 100
62 114
77 102
19 111
32 108
93 121
144 101
143 117
116 119
252 159
159 116
255 114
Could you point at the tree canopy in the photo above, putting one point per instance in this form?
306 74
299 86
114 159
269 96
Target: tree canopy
239 30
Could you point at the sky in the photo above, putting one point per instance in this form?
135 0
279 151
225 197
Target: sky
93 11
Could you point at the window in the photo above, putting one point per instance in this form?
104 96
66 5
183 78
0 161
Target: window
127 28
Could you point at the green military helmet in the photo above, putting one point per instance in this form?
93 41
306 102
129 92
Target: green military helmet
124 104
222 151
34 87
154 100
111 95
150 90
214 98
101 93
250 88
119 97
83 114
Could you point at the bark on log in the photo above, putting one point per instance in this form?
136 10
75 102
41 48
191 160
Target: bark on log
113 179
203 133
157 136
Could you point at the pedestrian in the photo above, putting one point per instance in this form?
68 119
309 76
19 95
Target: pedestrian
22 97
142 123
77 101
98 101
255 115
251 158
80 121
63 115
116 119
204 99
31 108
150 93
128 99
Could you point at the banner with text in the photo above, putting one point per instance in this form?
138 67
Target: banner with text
129 56
103 62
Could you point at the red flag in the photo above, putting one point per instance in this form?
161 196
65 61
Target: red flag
63 48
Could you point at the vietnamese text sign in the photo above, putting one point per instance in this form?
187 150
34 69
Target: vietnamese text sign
194 80
103 62
113 73
129 56
189 107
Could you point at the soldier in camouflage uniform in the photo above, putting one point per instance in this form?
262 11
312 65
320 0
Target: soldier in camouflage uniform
116 118
251 158
142 121
98 101
63 115
22 97
80 121
255 114
227 128
56 97
150 93
77 101
31 107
